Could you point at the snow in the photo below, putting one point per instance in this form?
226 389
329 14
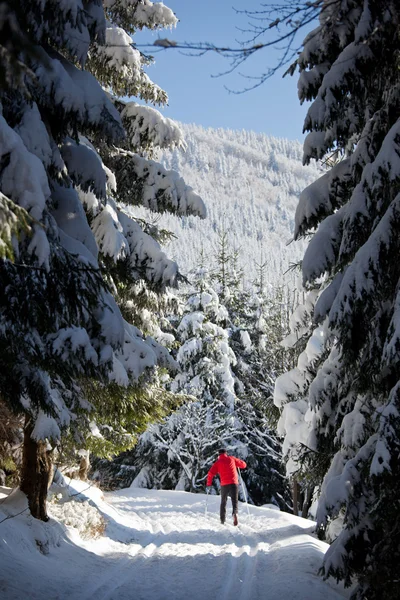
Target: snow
157 545
153 15
360 275
190 348
8 224
71 220
69 340
136 356
316 199
45 427
163 190
67 87
323 248
246 341
33 133
109 233
326 297
23 178
145 253
119 65
121 56
239 173
84 166
158 130
83 517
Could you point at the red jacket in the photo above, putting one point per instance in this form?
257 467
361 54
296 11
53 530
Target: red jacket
226 467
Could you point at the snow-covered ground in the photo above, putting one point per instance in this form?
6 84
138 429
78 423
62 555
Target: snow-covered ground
159 545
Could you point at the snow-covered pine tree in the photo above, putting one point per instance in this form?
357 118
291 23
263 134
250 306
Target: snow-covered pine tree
343 401
244 427
179 451
62 268
204 356
256 326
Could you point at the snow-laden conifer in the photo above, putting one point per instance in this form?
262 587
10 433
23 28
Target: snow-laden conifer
340 404
225 401
69 245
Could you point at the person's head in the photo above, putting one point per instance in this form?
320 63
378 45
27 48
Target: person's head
222 451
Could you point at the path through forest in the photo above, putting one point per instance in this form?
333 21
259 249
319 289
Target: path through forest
160 545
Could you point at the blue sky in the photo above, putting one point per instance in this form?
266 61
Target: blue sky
196 97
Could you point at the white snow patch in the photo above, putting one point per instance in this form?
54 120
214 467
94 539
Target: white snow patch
160 544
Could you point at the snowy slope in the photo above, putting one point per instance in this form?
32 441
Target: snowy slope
250 184
159 545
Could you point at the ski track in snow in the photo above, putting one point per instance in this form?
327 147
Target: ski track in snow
160 545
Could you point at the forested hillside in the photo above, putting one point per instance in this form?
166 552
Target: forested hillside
250 183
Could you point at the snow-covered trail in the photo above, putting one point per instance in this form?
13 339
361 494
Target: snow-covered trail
159 545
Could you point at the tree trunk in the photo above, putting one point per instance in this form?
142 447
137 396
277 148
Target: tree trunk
84 467
307 501
295 497
35 475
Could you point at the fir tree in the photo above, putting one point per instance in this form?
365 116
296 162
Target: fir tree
178 452
341 402
69 244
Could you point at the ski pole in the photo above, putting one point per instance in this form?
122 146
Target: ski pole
244 491
205 511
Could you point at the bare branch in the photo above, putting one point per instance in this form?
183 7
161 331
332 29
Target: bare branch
282 22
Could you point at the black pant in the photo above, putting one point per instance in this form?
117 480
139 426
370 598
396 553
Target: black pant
231 490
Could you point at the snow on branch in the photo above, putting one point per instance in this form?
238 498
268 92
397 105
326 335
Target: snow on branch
71 220
25 192
70 342
134 357
340 482
118 65
145 182
46 427
365 272
164 358
70 92
136 14
84 166
146 257
321 198
326 297
324 111
109 233
147 128
70 24
33 133
389 419
323 249
23 178
391 347
361 211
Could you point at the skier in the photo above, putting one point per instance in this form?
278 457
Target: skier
226 467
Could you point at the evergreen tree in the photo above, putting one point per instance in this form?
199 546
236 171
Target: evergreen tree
205 357
69 245
178 452
341 403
